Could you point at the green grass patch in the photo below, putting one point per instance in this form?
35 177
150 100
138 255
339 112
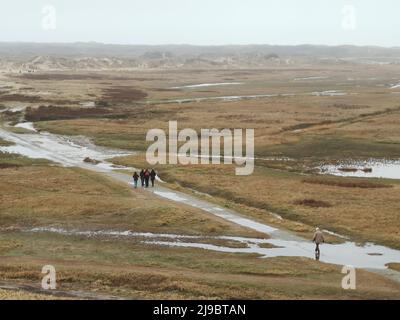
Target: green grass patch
126 141
18 130
12 117
226 194
347 183
333 148
135 142
4 143
10 160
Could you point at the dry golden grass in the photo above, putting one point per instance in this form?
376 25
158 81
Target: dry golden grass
41 196
313 203
4 143
21 295
382 128
347 183
135 271
7 245
394 266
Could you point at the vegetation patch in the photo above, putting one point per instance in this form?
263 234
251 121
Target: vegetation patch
334 148
394 266
8 245
345 106
23 295
19 98
18 130
4 143
226 194
348 169
70 76
60 76
48 113
353 119
313 203
91 161
10 160
11 116
9 165
123 94
347 183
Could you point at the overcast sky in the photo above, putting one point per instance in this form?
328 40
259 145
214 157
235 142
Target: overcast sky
332 22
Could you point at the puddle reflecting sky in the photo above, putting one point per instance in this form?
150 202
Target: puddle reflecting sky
380 169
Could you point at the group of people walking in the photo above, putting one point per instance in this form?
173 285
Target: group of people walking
146 176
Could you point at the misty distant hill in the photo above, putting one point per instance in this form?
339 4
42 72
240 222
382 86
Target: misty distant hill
32 57
134 51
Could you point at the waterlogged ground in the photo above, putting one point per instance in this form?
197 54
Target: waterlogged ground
64 151
205 85
373 168
67 151
327 93
363 256
367 256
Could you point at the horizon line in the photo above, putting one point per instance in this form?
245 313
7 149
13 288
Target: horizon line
198 45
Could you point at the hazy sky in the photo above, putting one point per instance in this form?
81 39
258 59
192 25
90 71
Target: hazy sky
371 22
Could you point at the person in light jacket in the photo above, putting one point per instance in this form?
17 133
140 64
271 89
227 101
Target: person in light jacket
318 239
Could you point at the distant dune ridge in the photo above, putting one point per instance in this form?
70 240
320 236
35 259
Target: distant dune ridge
31 57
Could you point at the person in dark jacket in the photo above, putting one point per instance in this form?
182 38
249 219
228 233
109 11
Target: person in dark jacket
146 177
153 175
142 178
135 179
